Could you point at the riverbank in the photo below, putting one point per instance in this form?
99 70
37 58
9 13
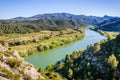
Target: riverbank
52 56
108 34
52 40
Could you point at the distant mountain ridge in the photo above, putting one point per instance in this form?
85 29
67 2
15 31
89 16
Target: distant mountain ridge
81 19
28 26
110 25
57 21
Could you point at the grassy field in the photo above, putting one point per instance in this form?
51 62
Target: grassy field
28 36
110 35
31 43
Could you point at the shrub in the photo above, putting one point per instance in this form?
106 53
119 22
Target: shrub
46 47
31 51
50 67
2 42
40 48
9 74
14 63
34 40
113 61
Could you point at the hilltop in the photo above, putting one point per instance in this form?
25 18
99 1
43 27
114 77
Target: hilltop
81 19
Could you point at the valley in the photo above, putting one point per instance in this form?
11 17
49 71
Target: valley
28 44
42 59
60 40
63 47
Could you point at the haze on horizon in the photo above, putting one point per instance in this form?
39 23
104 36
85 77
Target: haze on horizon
26 8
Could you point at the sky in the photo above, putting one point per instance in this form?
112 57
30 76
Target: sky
26 8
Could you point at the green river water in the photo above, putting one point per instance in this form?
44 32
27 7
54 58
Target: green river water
52 56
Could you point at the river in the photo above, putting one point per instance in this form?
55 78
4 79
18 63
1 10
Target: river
45 58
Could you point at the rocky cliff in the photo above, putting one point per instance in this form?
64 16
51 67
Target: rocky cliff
14 67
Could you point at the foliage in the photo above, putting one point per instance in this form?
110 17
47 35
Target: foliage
110 25
9 74
29 26
2 42
113 61
53 40
50 67
95 62
50 74
109 34
14 63
96 47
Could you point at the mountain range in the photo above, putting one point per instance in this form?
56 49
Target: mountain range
110 25
65 20
81 19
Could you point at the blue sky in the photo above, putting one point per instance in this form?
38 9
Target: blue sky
26 8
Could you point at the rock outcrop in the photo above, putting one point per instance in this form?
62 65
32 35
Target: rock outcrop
3 47
14 67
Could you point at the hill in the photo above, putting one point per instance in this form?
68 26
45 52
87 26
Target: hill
13 67
54 22
11 26
81 19
101 61
110 25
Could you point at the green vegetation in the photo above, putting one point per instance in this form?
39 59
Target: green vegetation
8 74
6 53
14 63
23 27
49 40
112 24
100 61
13 67
113 61
3 42
51 71
109 34
30 37
50 74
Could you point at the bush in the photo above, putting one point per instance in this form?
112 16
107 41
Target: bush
2 42
40 48
14 63
31 51
46 47
23 53
34 40
9 75
50 67
113 61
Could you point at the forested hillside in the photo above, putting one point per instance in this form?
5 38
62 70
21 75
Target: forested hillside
56 21
81 19
101 61
9 26
110 25
98 61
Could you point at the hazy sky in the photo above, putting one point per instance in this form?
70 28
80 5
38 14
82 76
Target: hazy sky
26 8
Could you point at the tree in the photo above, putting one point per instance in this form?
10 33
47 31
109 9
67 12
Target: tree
60 64
50 67
1 33
70 73
113 61
96 47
